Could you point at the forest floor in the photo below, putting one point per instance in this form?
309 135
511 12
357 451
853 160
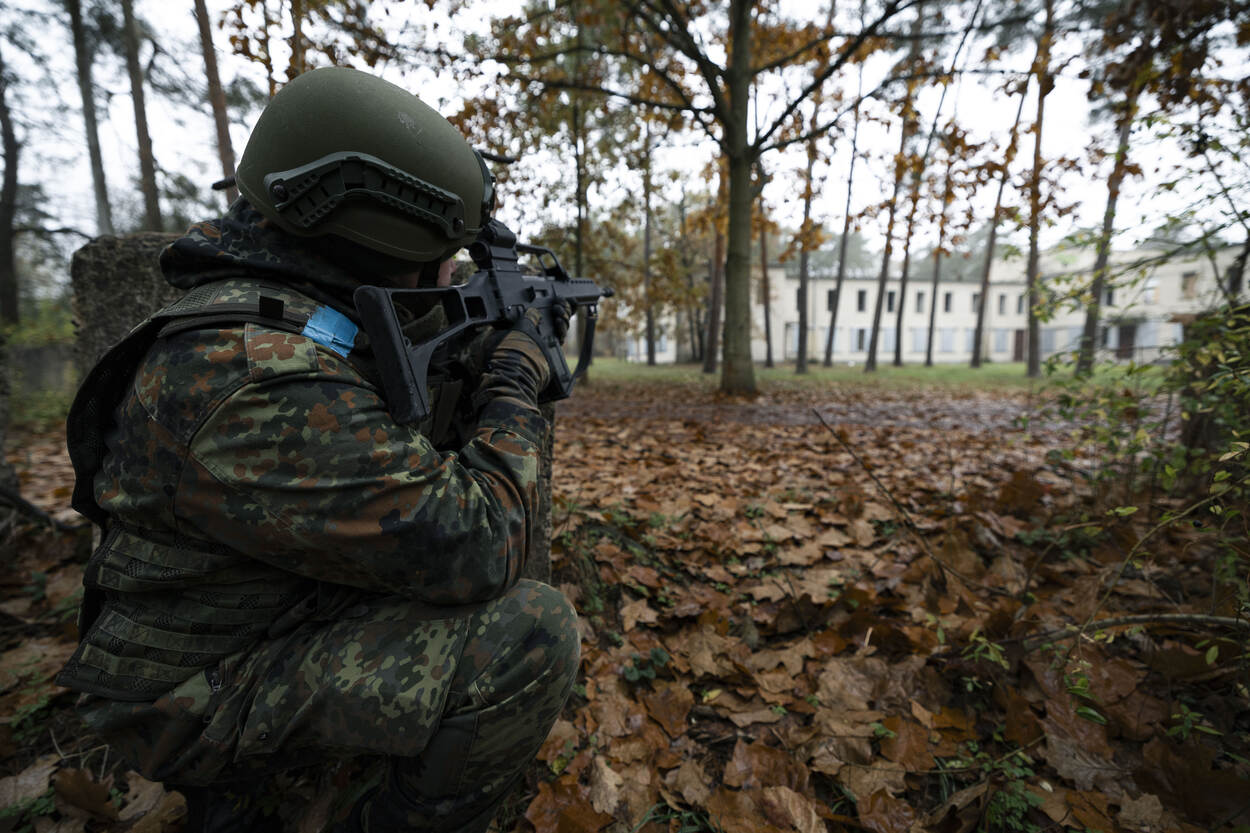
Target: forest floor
828 608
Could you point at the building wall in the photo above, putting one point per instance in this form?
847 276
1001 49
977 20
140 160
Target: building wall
1142 317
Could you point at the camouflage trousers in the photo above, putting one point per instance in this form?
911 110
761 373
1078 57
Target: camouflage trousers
456 700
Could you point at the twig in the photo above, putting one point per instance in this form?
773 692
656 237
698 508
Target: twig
1128 559
906 519
1146 619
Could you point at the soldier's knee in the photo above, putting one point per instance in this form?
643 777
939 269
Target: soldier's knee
530 643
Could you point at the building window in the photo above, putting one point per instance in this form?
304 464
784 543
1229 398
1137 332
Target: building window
1020 304
919 302
1002 303
861 339
1001 337
919 339
831 300
946 340
1151 292
1189 285
976 301
970 339
887 337
1110 299
947 300
861 300
889 301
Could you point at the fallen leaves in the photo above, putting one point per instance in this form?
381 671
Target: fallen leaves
767 647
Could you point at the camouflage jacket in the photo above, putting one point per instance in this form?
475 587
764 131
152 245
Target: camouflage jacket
249 468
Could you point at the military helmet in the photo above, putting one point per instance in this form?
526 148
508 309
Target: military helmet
342 152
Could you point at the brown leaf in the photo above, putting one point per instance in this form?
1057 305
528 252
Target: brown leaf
561 740
1142 813
866 780
637 611
79 788
882 813
758 765
164 817
850 683
758 716
142 796
738 812
690 782
28 784
669 705
561 806
34 661
605 787
1090 810
791 811
909 746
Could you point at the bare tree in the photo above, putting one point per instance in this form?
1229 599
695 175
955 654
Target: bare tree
147 163
86 87
216 98
8 205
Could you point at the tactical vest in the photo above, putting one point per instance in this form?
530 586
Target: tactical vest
157 608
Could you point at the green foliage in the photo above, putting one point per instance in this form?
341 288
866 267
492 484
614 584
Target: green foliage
1188 722
678 821
48 322
1008 808
642 668
41 411
20 818
980 649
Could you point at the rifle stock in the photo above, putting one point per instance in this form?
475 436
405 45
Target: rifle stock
498 294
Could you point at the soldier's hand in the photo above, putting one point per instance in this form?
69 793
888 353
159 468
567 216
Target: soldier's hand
561 312
517 369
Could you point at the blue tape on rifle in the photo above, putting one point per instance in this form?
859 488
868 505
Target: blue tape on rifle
331 328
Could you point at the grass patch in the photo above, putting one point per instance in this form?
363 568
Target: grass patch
39 412
1010 376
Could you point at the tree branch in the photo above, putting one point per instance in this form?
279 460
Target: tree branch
818 80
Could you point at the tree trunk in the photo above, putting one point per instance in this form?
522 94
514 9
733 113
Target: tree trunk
1089 336
800 363
948 190
147 163
1041 69
717 280
8 208
902 279
297 39
217 98
883 277
900 169
766 289
846 229
978 338
646 248
104 214
738 373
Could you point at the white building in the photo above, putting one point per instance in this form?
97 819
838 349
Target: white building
1149 300
1143 311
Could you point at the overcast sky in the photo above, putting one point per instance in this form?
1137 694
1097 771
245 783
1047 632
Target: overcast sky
183 138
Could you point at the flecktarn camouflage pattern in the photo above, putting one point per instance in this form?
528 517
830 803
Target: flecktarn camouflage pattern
288 573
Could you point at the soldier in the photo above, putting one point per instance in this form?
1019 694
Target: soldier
285 573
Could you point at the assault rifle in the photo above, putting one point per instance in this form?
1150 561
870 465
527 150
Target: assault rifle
497 294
